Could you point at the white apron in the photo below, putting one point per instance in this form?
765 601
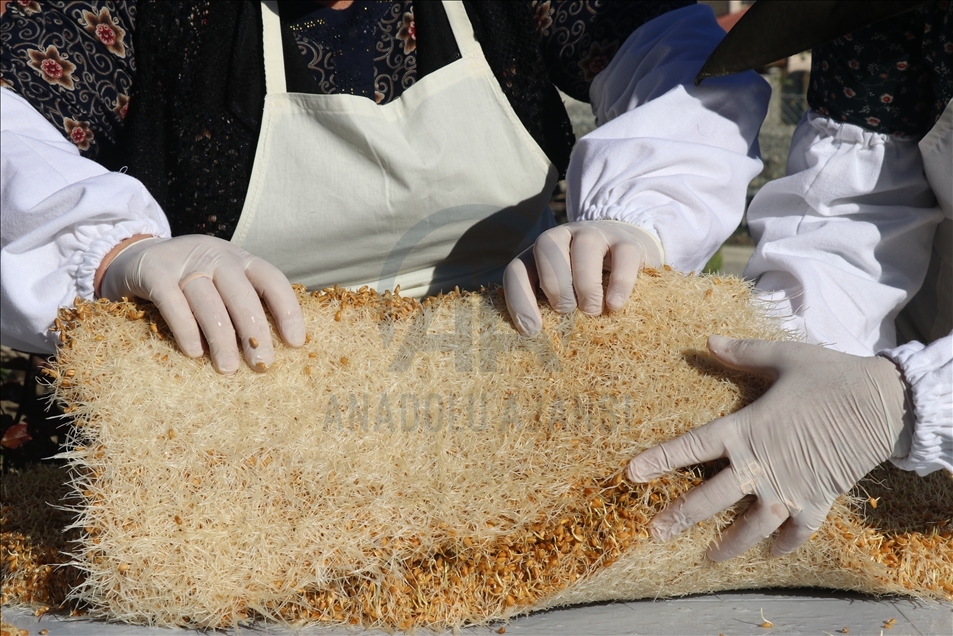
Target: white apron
441 187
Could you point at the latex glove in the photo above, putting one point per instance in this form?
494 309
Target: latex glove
202 282
826 422
567 263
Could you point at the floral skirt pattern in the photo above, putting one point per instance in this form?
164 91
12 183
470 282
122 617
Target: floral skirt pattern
893 77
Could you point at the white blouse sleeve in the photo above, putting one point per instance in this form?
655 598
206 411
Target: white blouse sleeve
670 157
929 372
61 214
844 240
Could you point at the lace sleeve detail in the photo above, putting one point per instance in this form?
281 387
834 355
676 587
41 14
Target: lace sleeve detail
73 61
579 39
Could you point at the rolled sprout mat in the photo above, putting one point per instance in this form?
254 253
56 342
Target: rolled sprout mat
419 465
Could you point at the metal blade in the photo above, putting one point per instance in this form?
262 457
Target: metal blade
774 29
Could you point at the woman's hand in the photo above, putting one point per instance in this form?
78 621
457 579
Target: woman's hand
567 263
204 284
827 421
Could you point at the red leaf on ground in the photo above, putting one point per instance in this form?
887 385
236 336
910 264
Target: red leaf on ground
15 436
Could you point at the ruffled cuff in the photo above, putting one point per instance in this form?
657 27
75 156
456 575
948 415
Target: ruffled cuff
929 372
62 214
87 262
670 157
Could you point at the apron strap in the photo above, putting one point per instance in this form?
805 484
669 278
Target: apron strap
462 30
274 54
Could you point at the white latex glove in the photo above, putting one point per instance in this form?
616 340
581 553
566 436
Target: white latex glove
826 422
567 263
202 282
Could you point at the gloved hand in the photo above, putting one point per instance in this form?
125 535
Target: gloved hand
567 263
826 422
202 282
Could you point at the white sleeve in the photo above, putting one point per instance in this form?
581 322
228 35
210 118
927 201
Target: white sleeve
61 214
844 240
670 157
929 372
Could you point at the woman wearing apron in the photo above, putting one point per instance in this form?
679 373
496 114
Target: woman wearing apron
440 185
385 202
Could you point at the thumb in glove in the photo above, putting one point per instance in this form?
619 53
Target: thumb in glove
826 422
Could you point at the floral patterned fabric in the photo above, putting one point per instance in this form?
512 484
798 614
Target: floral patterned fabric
75 60
580 38
367 49
893 77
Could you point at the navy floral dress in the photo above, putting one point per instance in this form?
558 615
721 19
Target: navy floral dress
75 60
893 77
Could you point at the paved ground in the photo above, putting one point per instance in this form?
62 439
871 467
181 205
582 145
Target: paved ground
793 612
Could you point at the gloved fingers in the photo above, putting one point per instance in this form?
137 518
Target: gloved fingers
798 529
588 251
627 258
519 288
174 307
274 288
213 319
248 317
698 504
755 356
700 445
753 525
552 255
